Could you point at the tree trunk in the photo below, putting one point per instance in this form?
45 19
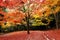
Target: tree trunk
56 19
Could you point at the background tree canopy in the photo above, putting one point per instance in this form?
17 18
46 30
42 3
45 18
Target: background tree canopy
37 14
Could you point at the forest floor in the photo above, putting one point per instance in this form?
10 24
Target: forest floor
34 35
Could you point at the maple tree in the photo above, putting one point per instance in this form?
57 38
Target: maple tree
13 12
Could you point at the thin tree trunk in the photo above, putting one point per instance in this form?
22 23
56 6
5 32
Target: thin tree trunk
56 19
28 24
28 16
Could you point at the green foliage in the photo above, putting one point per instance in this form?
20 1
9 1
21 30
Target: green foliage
51 17
12 28
24 8
3 8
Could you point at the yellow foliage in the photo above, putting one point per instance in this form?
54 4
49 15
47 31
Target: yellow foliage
36 16
8 24
57 9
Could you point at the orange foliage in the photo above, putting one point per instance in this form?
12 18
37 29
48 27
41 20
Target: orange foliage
2 19
11 3
39 12
24 1
14 17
